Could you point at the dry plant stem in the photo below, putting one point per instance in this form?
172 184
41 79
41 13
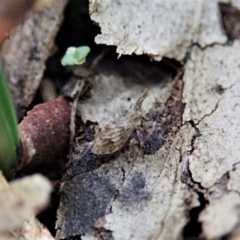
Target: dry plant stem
171 64
76 95
140 139
179 74
96 62
78 89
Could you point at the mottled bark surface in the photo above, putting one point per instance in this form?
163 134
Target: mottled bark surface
24 54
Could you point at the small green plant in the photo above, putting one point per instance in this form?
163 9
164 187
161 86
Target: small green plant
9 137
75 56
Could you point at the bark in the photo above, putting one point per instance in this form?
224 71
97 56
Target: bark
24 54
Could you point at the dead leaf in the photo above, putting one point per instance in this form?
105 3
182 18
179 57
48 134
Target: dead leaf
221 216
158 28
212 102
22 200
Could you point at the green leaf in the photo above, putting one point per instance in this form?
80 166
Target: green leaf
75 56
9 137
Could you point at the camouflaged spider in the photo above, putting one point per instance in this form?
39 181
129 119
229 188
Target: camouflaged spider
112 137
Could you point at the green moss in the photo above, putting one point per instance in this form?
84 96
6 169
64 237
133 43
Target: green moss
75 56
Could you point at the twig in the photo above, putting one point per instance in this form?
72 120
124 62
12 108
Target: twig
77 92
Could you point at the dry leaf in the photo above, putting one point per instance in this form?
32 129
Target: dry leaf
158 28
23 199
221 216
